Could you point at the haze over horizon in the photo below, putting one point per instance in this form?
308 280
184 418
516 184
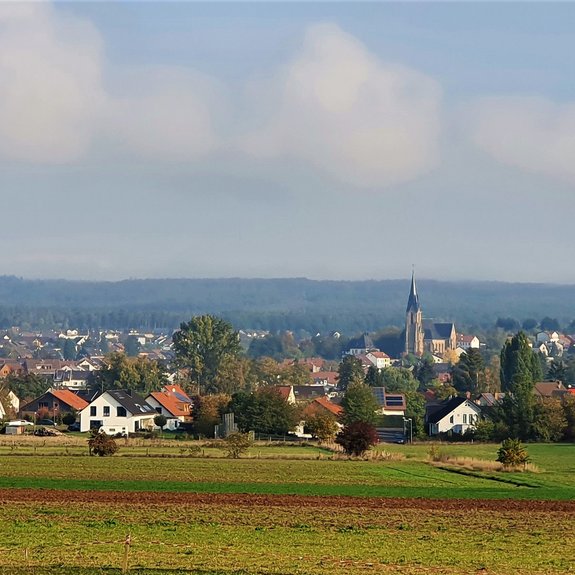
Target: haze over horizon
326 140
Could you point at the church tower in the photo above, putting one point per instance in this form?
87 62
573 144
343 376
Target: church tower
413 322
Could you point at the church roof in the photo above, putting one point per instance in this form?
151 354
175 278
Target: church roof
413 300
434 330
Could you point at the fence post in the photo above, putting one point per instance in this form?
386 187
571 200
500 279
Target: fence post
127 544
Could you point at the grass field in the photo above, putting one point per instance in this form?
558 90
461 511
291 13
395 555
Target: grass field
307 515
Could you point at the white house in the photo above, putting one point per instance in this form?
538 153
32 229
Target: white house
457 415
118 411
466 342
379 359
168 405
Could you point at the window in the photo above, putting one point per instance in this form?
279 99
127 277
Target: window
159 409
120 411
465 418
92 411
42 404
451 419
106 411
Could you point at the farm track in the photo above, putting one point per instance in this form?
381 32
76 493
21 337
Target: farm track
290 501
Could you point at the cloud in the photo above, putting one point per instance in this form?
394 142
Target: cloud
165 114
341 109
50 86
534 134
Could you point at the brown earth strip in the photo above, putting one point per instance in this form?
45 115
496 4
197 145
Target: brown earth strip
290 501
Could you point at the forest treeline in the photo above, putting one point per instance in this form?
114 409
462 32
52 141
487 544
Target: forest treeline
271 304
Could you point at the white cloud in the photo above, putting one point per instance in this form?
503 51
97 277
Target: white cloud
341 109
533 134
50 90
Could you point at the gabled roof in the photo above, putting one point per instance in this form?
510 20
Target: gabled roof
434 330
177 392
444 410
169 403
308 391
134 403
549 389
68 397
364 341
284 390
330 406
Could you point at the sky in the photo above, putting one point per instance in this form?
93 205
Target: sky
327 140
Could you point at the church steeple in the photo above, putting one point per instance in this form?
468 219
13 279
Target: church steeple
413 322
413 300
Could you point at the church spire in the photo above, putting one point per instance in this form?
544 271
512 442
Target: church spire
413 300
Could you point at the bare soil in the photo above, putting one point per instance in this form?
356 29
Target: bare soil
290 501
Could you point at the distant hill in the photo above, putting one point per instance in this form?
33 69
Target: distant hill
298 303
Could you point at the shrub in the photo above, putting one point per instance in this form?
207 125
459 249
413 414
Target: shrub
102 444
322 426
357 437
512 454
69 419
235 444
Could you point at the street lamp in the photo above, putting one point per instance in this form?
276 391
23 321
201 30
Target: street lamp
405 420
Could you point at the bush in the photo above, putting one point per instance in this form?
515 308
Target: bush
102 444
69 419
512 453
235 444
357 437
322 426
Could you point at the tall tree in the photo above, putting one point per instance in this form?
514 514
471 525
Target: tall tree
469 373
350 371
202 344
359 404
520 369
398 379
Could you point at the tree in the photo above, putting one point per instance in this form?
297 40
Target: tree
101 444
508 324
424 371
359 404
322 426
160 420
264 411
349 371
549 422
69 350
520 369
207 412
132 346
26 386
415 410
512 453
469 373
373 377
121 372
568 404
234 374
236 444
398 380
202 345
529 324
357 437
557 371
549 324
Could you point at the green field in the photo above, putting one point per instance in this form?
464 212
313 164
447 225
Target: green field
292 524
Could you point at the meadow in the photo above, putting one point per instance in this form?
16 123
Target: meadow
282 509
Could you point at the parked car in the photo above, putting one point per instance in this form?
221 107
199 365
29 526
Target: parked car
74 426
18 422
45 422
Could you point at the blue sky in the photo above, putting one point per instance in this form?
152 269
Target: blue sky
327 140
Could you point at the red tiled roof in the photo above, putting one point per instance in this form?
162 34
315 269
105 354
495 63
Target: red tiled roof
283 390
68 397
169 402
327 404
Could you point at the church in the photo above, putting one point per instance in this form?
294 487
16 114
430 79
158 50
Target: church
422 335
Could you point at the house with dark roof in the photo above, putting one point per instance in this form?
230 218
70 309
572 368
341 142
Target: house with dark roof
456 415
118 411
361 345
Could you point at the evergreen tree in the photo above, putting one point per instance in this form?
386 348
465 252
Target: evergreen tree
520 369
469 373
